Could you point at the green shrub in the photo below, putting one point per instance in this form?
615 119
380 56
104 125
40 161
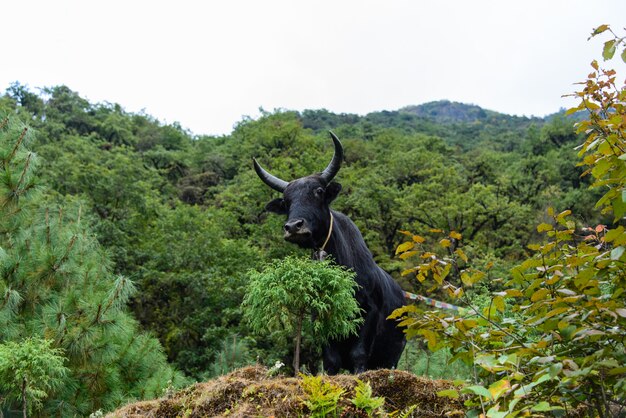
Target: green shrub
301 295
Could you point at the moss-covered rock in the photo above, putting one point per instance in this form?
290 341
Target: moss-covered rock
251 392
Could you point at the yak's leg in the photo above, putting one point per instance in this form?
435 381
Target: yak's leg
361 351
388 347
331 359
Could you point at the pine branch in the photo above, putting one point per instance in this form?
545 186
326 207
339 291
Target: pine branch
98 314
63 259
47 227
11 299
23 175
17 145
60 217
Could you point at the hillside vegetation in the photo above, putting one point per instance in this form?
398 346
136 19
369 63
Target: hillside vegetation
182 216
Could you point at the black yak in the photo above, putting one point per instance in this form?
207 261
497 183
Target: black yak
312 224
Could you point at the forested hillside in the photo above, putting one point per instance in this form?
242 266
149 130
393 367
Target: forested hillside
182 216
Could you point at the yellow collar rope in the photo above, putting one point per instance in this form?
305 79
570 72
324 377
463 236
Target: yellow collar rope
320 254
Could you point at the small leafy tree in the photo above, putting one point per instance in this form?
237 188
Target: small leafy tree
297 295
29 371
552 338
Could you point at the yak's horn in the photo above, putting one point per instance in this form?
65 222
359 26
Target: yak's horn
333 168
269 179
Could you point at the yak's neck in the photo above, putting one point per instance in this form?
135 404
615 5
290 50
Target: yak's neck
346 245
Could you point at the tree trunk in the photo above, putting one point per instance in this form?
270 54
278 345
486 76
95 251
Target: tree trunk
24 403
234 354
296 354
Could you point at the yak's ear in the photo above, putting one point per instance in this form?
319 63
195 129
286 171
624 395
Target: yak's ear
277 206
332 190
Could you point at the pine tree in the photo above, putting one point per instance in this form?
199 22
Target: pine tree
56 284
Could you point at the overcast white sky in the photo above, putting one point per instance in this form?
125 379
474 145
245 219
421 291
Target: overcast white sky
207 63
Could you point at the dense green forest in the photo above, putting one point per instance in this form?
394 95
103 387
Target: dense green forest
170 223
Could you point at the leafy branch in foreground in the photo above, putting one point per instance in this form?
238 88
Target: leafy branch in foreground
552 339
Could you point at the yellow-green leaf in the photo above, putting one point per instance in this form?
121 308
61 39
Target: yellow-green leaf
477 276
599 30
402 310
470 323
568 112
430 336
544 227
513 293
448 393
563 214
530 263
498 388
407 254
477 390
408 271
418 239
548 247
470 280
539 294
542 406
405 246
498 302
617 370
556 311
461 254
466 279
455 235
445 243
609 49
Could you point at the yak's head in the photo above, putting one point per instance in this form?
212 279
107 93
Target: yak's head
306 201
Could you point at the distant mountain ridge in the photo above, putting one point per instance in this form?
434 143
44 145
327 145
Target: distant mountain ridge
440 112
459 124
445 111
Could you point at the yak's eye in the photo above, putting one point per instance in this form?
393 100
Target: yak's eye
319 191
